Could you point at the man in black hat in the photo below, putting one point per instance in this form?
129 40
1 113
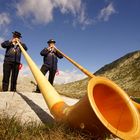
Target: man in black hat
11 61
50 55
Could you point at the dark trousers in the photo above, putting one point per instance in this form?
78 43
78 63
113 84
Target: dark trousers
44 69
10 69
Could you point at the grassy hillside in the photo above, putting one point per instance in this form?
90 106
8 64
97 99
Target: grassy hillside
124 71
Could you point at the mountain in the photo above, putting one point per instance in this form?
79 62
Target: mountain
124 71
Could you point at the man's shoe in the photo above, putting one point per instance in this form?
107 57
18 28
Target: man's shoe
36 91
13 90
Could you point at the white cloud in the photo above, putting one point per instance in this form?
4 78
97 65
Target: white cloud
76 8
61 78
1 67
1 58
1 40
68 76
1 63
106 12
25 71
42 11
4 22
66 6
4 19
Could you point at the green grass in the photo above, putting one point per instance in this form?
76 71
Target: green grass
13 129
136 99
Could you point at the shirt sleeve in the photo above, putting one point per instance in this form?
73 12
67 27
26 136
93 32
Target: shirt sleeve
44 52
6 44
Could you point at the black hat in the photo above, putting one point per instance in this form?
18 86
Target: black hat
18 34
51 41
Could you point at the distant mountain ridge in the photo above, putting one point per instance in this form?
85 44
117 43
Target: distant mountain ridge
124 71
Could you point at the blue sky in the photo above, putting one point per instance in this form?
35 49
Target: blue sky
92 32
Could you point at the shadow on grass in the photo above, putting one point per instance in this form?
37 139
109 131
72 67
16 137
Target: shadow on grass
44 116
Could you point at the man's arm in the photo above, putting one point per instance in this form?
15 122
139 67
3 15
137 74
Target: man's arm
6 44
44 52
24 46
59 55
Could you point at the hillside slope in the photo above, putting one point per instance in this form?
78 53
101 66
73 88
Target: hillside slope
124 71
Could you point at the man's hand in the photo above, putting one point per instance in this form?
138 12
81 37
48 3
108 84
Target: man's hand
51 48
14 41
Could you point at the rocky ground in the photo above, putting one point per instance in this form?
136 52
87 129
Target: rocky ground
27 106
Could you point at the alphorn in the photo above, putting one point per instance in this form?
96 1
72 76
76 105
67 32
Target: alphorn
103 110
89 74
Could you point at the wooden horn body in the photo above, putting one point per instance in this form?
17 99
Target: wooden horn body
104 109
